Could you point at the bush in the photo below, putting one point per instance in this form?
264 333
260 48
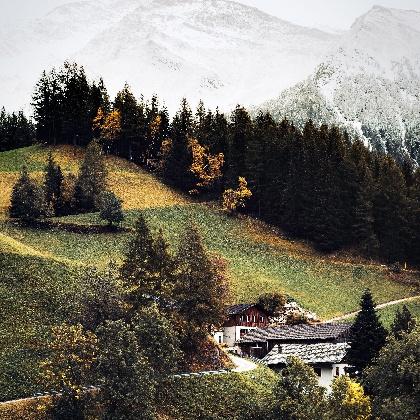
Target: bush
110 208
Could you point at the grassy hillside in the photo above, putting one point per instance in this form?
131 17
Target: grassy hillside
388 314
35 293
137 188
259 260
41 281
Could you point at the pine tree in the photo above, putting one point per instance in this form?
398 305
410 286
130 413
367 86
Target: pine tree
52 185
414 221
403 322
156 132
176 168
148 270
76 110
218 136
161 343
27 200
47 102
98 98
15 131
367 335
202 289
91 181
240 135
391 211
131 142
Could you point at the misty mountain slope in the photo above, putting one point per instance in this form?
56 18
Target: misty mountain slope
217 50
370 85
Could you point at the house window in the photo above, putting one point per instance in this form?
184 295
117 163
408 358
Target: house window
247 318
243 332
337 371
317 371
261 319
241 318
220 339
255 318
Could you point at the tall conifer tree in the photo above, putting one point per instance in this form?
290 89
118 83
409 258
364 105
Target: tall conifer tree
367 335
403 322
178 162
91 181
149 271
52 185
202 288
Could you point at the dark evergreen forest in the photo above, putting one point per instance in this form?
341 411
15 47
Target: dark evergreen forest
315 183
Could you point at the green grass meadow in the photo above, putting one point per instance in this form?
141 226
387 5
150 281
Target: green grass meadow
40 269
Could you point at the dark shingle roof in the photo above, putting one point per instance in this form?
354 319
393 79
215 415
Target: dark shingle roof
301 332
239 309
308 353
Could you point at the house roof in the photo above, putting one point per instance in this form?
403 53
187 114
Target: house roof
302 332
240 308
309 353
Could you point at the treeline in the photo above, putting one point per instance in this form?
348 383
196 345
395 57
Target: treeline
16 130
314 183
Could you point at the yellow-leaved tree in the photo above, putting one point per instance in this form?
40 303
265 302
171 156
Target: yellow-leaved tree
234 199
348 400
205 167
107 127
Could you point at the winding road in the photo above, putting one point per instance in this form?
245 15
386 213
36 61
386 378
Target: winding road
380 306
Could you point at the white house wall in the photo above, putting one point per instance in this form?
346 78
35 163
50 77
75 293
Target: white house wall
329 373
232 334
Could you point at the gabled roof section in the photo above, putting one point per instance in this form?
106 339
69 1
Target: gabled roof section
240 308
303 332
309 353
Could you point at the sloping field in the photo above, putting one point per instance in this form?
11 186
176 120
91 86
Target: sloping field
41 270
137 188
259 259
326 286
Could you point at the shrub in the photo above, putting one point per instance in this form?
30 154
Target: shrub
110 208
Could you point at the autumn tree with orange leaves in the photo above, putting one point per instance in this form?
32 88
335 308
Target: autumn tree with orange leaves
206 168
107 127
234 199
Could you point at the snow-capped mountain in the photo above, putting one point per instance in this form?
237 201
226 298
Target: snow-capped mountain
217 50
366 79
370 85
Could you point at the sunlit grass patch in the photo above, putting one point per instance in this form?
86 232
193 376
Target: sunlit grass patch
137 188
255 267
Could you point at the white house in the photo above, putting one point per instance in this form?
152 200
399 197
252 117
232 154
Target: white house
327 359
323 346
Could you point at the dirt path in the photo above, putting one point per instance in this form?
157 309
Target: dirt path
382 305
242 365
